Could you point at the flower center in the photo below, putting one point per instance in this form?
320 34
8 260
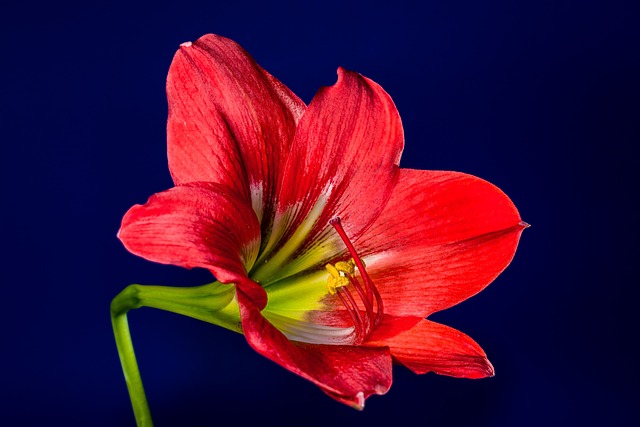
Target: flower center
366 310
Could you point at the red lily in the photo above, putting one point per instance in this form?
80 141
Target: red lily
328 256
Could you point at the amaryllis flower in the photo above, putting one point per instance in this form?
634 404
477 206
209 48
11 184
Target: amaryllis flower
328 256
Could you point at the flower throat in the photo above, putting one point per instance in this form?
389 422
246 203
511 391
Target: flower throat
341 275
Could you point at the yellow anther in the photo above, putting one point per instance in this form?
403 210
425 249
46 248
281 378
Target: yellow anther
332 270
346 267
334 283
338 275
354 263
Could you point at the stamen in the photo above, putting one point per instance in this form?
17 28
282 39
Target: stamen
337 279
343 274
352 307
367 303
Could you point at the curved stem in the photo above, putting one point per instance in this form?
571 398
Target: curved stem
130 369
211 303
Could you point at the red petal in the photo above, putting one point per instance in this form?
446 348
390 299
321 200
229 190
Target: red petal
349 138
432 347
195 225
346 373
230 121
335 315
390 326
443 237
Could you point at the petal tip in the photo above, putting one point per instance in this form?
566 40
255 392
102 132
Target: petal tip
344 73
186 44
360 397
489 369
359 403
524 224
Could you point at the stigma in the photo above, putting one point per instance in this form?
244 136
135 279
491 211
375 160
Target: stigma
365 308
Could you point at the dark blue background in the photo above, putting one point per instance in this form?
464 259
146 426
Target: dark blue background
540 98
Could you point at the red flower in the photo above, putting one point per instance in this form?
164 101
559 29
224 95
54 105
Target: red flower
260 182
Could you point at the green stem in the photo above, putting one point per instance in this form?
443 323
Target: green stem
213 303
130 369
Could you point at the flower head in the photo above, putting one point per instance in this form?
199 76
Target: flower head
331 255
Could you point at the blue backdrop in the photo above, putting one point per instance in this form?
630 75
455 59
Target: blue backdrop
540 98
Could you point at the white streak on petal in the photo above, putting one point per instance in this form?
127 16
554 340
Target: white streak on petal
250 253
257 202
312 333
279 265
371 260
